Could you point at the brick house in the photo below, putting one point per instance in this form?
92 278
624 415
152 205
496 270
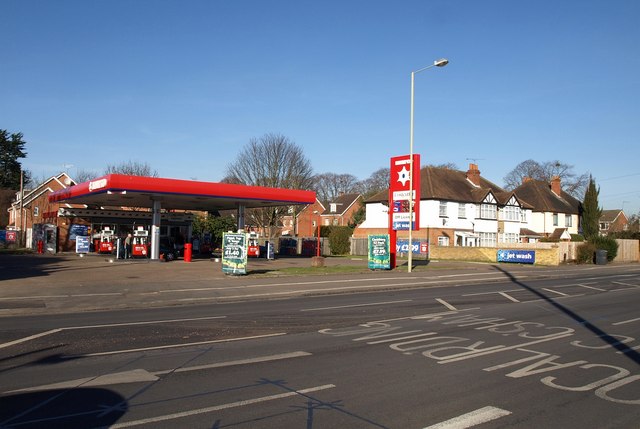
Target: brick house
613 221
35 208
340 211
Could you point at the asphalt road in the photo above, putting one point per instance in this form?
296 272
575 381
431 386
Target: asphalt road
554 349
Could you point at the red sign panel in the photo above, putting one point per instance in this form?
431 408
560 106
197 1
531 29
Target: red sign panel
403 191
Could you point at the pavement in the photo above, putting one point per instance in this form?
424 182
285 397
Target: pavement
69 283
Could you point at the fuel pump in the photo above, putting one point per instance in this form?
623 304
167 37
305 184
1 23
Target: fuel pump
107 237
140 243
253 249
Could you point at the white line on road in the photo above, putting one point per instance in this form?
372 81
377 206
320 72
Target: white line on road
591 287
446 304
472 418
509 297
109 325
356 305
555 291
32 337
626 321
219 407
172 346
236 362
625 284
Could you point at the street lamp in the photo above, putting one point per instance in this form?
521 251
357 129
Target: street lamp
437 63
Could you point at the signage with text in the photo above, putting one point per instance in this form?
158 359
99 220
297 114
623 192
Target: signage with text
379 255
234 253
404 191
517 256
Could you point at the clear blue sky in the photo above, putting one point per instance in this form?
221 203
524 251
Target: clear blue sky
183 85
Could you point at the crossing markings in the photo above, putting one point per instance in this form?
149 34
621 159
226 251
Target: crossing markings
473 418
591 287
555 291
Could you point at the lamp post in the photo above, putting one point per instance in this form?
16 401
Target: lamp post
437 63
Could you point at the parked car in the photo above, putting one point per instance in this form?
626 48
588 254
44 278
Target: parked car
168 249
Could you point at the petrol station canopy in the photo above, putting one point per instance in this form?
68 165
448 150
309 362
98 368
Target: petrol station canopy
140 191
161 193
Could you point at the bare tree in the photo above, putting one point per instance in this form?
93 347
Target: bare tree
275 161
378 181
84 176
131 168
329 186
572 183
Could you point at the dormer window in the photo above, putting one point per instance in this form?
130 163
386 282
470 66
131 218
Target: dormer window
333 208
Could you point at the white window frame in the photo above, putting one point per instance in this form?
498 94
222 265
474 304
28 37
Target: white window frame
568 221
443 209
488 211
462 211
443 241
487 239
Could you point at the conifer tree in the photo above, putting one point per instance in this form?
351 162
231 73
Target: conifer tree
11 150
591 211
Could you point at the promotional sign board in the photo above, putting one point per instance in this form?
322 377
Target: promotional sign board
234 253
76 231
379 255
518 256
402 192
270 251
402 246
82 244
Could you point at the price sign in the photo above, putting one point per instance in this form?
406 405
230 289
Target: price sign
234 253
379 255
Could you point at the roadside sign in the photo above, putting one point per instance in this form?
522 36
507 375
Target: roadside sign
82 244
517 256
379 255
405 192
234 253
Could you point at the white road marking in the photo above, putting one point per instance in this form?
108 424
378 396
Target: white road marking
29 338
625 284
356 305
492 292
133 376
109 325
555 291
219 407
172 346
509 297
591 287
446 304
236 362
626 321
472 418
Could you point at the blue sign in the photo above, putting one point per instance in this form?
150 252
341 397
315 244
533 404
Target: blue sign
403 225
82 244
518 256
3 235
76 231
402 246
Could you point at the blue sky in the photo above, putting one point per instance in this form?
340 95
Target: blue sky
183 85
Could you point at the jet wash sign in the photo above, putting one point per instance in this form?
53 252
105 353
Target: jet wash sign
401 195
517 256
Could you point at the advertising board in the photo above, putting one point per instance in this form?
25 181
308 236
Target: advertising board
234 253
379 255
517 256
405 191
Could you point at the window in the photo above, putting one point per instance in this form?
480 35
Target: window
487 239
568 221
555 219
462 211
333 207
510 237
488 211
36 211
443 241
510 213
443 208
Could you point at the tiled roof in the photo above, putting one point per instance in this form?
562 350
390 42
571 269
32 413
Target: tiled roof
609 215
437 183
343 202
540 196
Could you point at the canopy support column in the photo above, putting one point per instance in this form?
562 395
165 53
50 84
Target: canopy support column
240 216
155 230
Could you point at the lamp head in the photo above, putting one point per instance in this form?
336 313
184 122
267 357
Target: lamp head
441 62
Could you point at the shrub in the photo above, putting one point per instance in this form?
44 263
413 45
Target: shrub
586 252
577 237
606 243
340 240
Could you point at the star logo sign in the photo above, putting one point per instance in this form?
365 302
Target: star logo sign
403 176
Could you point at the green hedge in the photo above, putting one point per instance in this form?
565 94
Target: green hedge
339 238
586 252
606 243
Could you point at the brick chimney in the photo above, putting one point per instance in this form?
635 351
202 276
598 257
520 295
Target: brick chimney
473 175
555 185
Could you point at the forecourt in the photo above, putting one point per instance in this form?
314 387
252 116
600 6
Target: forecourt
157 193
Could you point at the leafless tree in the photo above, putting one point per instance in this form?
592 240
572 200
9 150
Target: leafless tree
378 181
131 168
329 186
572 183
84 176
272 160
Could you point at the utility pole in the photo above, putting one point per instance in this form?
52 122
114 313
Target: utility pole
21 239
